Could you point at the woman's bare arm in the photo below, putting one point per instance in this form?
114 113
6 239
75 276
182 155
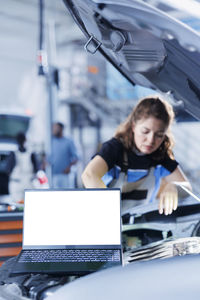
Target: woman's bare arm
91 176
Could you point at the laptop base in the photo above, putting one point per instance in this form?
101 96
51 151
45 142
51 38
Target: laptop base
62 268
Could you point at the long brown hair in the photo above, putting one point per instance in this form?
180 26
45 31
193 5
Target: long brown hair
152 106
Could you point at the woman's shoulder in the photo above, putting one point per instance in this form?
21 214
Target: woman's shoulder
111 151
168 162
113 142
113 146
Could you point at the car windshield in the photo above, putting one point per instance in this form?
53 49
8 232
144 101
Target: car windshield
11 125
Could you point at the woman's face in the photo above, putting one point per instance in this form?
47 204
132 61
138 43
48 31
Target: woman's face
149 134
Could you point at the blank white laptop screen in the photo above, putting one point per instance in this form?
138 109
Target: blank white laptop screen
72 217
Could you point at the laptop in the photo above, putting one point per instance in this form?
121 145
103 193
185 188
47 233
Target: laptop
73 232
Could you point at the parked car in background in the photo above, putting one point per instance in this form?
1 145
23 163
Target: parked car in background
10 125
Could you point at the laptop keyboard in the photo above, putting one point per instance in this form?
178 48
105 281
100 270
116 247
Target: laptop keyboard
68 255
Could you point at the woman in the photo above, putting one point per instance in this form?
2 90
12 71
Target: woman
141 149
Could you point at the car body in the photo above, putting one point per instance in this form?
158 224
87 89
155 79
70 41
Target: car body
174 278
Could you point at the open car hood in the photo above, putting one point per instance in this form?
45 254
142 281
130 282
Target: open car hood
147 46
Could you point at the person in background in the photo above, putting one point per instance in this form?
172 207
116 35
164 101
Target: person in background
25 166
63 157
139 159
7 165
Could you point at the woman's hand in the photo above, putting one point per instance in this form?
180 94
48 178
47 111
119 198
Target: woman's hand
168 199
168 194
